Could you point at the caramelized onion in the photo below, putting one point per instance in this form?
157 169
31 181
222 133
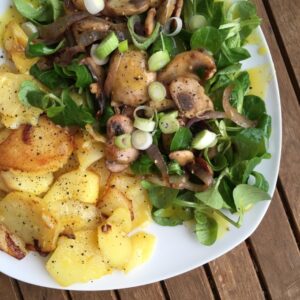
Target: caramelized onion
202 170
159 161
210 115
54 31
233 114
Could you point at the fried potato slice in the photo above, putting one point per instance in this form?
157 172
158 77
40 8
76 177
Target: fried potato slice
142 248
11 243
122 218
26 216
43 148
15 41
12 112
114 245
35 183
77 185
77 260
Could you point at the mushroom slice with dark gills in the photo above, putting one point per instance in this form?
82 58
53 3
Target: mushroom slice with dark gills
128 78
125 7
187 64
190 97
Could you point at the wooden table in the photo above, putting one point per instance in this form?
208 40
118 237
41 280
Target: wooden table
267 265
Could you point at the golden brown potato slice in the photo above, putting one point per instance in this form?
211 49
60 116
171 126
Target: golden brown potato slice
77 185
77 260
43 148
25 215
11 243
112 200
128 78
34 183
100 169
142 248
12 112
75 215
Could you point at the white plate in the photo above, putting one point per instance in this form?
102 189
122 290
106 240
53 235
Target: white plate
177 249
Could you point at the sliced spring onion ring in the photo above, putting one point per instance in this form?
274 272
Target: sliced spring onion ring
94 6
141 140
168 123
204 139
29 28
123 141
107 46
157 91
167 29
123 46
99 62
144 124
158 60
141 42
197 22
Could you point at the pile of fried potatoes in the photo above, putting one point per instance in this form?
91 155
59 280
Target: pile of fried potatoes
56 195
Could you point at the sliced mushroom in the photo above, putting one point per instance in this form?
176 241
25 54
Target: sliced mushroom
150 21
162 105
79 4
92 29
128 78
125 7
183 157
190 97
155 3
114 167
178 8
165 11
120 156
187 64
119 124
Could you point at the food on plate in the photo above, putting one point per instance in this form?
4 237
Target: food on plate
123 112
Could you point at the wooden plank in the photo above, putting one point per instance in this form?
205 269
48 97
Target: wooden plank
105 295
235 276
277 253
290 159
31 292
191 285
149 292
286 15
7 288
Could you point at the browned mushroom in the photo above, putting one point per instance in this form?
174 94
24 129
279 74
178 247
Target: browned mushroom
190 97
92 29
165 11
125 7
187 64
120 156
183 157
150 21
162 105
79 4
128 78
118 124
114 167
178 8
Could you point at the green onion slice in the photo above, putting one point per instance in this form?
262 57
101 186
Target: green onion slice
168 123
197 22
141 140
145 124
141 42
204 139
157 91
158 60
107 46
123 141
123 46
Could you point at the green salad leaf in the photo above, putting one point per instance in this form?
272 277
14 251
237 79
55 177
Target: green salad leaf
182 139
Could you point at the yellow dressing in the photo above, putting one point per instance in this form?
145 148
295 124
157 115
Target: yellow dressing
259 78
262 50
